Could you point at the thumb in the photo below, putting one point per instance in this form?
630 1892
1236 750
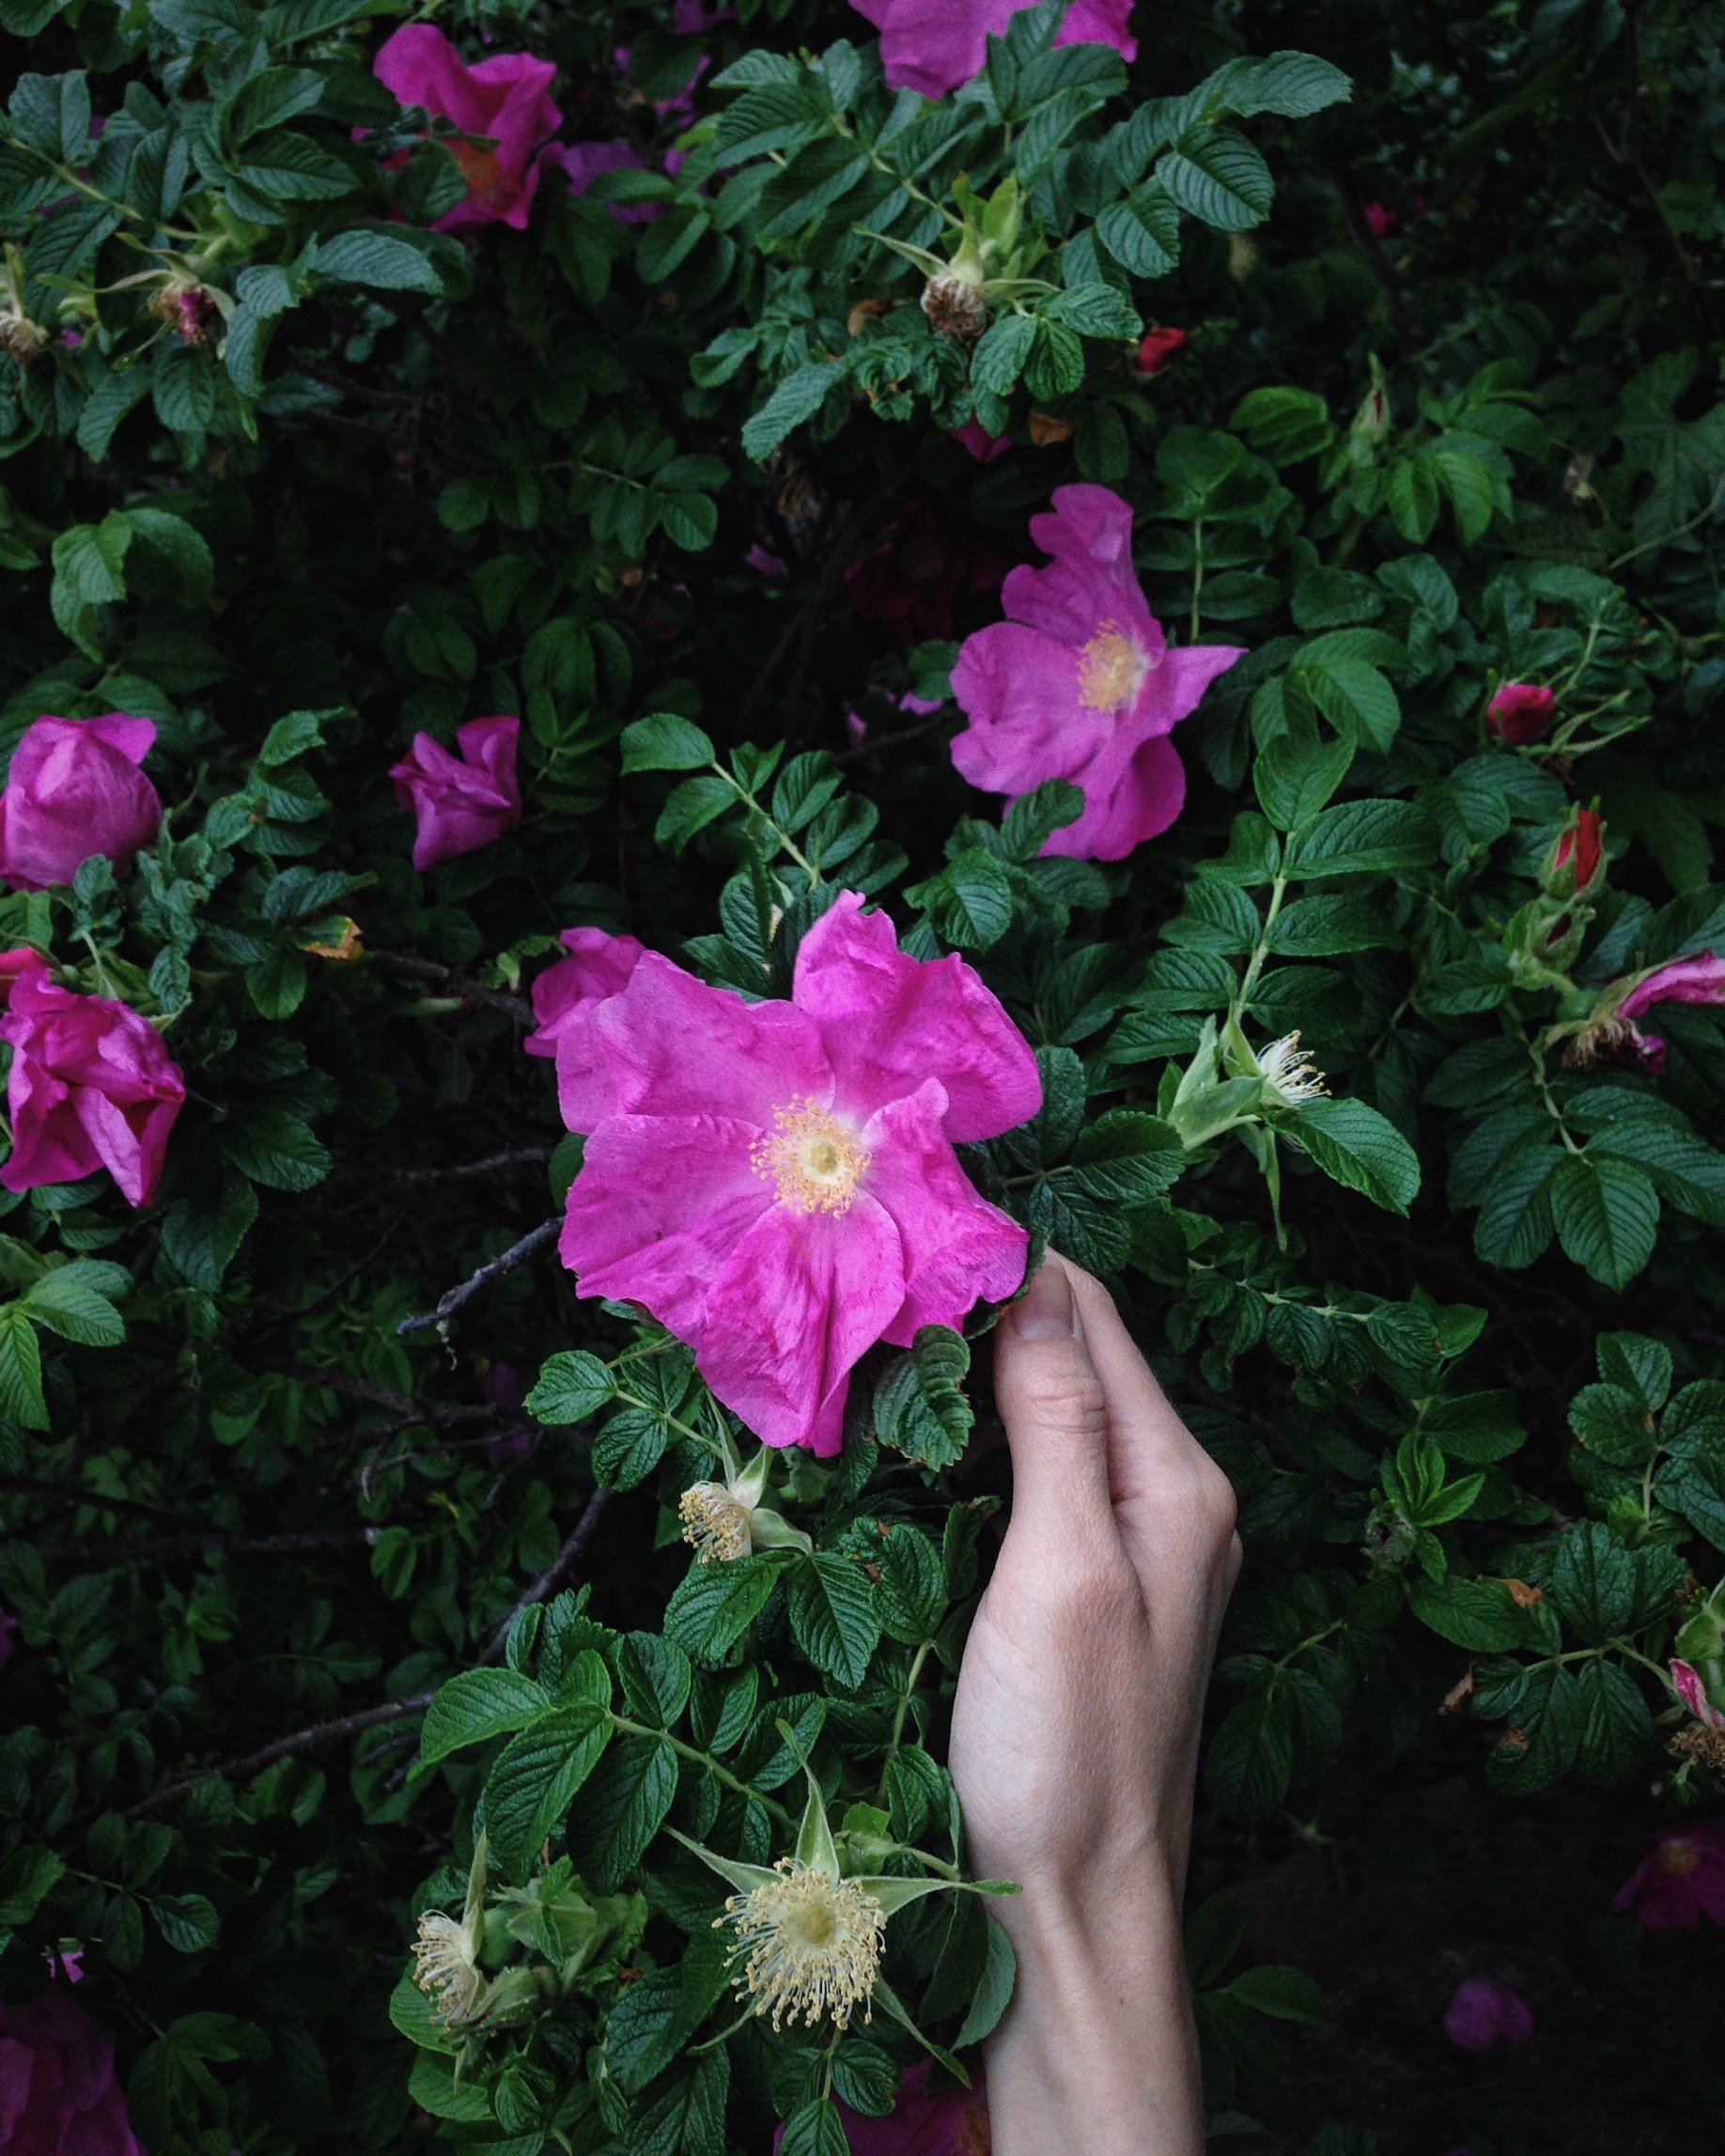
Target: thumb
1052 1405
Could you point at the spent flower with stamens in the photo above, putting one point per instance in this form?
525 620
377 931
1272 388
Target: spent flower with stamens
446 1953
726 1521
1290 1072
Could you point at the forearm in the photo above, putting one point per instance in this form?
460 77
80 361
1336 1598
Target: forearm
1097 2054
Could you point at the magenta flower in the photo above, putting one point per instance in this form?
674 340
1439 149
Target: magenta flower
1519 712
908 580
776 1182
1380 221
1081 684
565 995
1687 1682
584 161
954 2123
1700 979
1484 2012
934 45
74 789
58 2096
974 437
91 1086
507 100
8 1624
460 802
764 562
1680 1880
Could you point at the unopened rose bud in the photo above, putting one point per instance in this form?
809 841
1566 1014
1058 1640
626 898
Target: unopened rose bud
1158 351
1519 712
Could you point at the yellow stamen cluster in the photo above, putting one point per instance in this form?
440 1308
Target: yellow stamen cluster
1289 1068
815 1161
715 1524
812 1945
444 1968
1111 670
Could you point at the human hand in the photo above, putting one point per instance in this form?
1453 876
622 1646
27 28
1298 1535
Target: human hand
1075 1730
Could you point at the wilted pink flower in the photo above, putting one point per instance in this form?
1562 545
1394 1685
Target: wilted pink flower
584 161
58 2096
1380 221
1484 2012
66 1966
776 1182
1700 979
983 446
1680 1880
565 995
1081 684
934 45
954 2123
74 789
764 562
908 582
507 100
91 1086
460 802
1158 349
1519 712
1686 1681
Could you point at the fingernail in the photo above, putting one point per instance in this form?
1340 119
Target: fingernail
1047 1310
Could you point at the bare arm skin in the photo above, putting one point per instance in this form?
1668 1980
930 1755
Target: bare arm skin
1075 1730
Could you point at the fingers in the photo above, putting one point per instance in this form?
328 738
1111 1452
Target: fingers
1054 1408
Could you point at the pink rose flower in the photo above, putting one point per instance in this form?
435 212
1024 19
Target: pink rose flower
1380 221
906 582
1687 1682
954 2123
1680 1880
1700 979
506 98
74 789
92 1086
565 997
584 161
58 2096
1081 684
934 45
776 1183
460 802
974 437
1519 712
1484 2012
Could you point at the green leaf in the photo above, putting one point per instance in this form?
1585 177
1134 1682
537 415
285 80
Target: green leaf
27 1878
919 1404
75 1311
622 1809
1143 233
475 1705
1250 1758
1126 1157
1363 838
50 114
1220 177
286 167
1355 1146
815 2129
188 1922
571 1387
274 1148
1294 84
379 259
798 399
536 1775
718 1602
1000 353
21 1369
1479 1615
1287 1994
664 742
832 1616
1607 1217
994 1988
1095 310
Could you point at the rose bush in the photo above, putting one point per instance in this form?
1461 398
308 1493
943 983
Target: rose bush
759 488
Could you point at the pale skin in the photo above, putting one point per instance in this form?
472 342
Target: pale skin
1075 1730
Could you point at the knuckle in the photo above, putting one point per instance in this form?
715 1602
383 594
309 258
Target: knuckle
1062 1394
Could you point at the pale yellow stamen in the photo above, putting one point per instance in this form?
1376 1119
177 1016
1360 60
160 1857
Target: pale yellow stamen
444 1968
813 1158
714 1523
1289 1068
812 1945
1111 670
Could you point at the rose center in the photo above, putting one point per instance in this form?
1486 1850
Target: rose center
816 1924
1677 1858
479 168
813 1158
1111 670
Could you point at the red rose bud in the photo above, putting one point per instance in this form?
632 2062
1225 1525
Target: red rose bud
1159 351
1380 221
1520 712
1581 844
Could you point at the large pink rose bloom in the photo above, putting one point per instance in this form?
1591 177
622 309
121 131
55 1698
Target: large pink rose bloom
58 2096
565 995
1680 1880
955 2123
506 98
460 802
91 1086
934 45
74 789
1081 684
776 1182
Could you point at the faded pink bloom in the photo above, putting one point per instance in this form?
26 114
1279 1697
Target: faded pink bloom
906 582
776 1182
1699 979
74 789
460 802
58 2096
1380 221
584 161
565 995
954 2123
1519 712
66 1966
1680 1880
764 562
1081 684
934 45
91 1086
1687 1682
1484 2012
506 98
983 446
